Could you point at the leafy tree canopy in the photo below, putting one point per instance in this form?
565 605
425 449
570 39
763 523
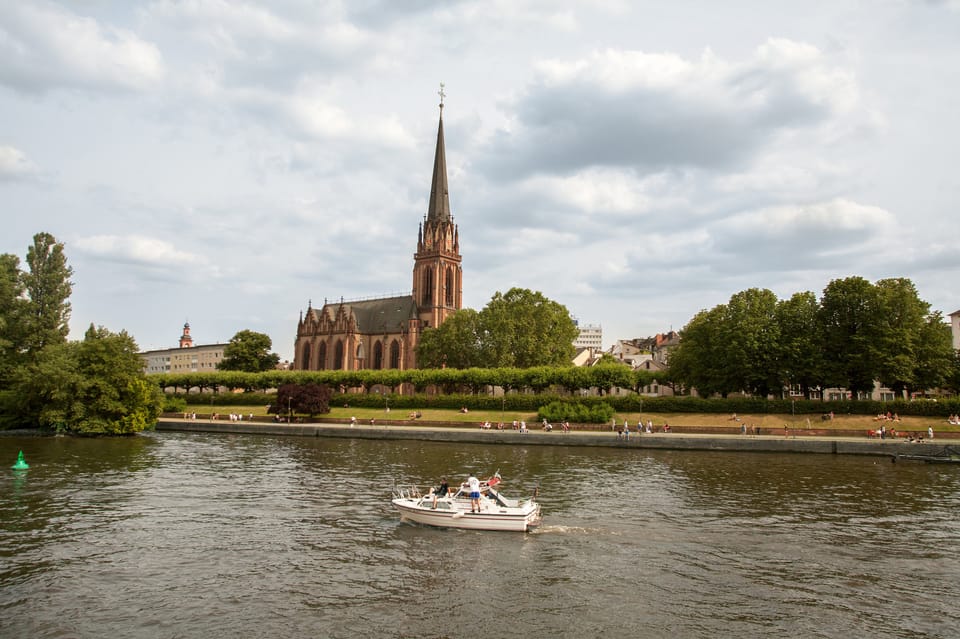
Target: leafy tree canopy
93 387
520 329
856 334
48 288
249 351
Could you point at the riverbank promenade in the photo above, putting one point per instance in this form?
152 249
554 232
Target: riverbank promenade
795 441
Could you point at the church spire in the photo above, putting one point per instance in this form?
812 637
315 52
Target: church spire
439 206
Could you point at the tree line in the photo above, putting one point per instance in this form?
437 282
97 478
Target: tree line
856 333
92 386
574 380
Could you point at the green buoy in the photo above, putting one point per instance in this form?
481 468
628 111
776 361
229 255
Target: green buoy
21 464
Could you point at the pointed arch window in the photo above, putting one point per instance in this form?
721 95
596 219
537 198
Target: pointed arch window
450 286
322 357
427 286
306 357
395 354
338 355
378 355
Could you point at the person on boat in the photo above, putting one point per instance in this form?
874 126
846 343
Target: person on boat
474 485
441 491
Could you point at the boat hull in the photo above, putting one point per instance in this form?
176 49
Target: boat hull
496 518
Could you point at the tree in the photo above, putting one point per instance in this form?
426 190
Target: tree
309 398
697 361
522 328
519 329
849 324
11 311
901 318
455 343
935 357
800 360
751 336
48 287
93 387
249 351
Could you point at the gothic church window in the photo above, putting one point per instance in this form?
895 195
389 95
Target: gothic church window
427 286
338 356
306 357
378 356
449 297
395 354
322 357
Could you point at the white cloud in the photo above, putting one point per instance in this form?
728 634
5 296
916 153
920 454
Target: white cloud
14 165
657 110
138 250
46 47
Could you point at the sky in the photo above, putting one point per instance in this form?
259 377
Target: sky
226 163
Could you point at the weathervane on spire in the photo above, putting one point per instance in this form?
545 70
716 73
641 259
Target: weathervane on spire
442 96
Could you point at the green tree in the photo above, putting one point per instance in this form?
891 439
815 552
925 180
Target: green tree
696 363
751 336
522 328
249 351
11 310
519 329
47 285
935 356
902 315
800 359
93 387
455 343
849 310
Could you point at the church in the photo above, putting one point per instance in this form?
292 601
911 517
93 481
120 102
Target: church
384 333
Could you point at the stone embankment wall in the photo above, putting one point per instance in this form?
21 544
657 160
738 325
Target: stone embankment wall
663 441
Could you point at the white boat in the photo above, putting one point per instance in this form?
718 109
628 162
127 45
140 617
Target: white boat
497 512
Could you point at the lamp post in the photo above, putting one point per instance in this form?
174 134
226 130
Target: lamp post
289 410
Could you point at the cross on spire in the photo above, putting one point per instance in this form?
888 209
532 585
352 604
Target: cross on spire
442 96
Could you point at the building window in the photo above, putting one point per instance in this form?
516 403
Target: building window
322 357
338 356
427 295
395 354
449 296
306 357
378 355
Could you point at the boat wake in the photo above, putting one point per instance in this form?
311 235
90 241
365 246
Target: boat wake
566 530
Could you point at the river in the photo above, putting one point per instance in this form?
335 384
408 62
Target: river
212 535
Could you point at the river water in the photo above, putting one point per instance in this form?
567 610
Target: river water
187 535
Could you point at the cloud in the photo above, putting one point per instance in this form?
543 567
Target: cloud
647 111
271 46
159 257
45 47
14 165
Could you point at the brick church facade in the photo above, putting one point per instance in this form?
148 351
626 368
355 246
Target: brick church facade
383 333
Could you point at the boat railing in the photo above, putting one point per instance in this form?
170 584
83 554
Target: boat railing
407 492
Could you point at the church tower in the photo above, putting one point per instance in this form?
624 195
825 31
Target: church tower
437 274
185 340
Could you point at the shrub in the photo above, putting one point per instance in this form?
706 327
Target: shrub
173 404
577 412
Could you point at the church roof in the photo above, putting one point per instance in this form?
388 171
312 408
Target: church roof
439 206
383 315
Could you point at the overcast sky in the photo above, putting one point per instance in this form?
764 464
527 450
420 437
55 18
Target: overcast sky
223 163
